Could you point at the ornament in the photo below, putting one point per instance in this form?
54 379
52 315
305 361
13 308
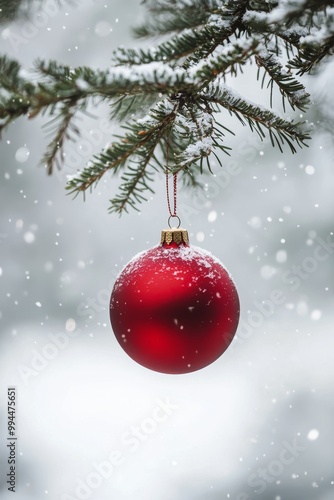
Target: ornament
174 308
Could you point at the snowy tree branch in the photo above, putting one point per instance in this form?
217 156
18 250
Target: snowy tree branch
176 88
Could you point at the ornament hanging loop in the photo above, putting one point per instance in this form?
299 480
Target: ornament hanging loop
172 213
174 217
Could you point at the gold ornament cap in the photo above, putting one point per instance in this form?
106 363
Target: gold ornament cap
176 235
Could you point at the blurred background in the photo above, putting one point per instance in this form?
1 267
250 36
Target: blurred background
258 423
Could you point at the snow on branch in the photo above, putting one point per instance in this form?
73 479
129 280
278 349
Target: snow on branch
258 117
173 91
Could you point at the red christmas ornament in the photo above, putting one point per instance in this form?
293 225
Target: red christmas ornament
174 308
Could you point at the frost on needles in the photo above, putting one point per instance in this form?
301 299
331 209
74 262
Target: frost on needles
176 90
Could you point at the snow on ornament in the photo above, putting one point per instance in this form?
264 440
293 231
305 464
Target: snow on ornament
174 308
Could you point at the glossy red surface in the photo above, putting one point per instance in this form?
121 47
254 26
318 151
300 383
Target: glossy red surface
174 309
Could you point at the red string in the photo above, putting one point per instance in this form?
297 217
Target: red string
174 212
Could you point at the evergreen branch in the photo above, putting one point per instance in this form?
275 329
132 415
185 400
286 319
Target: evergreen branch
180 81
11 79
15 92
199 150
65 130
273 33
288 11
198 41
257 118
315 46
311 56
289 87
220 63
83 82
228 20
138 149
64 85
171 16
15 9
138 146
131 105
177 47
310 29
134 183
9 10
262 6
114 157
9 112
214 25
19 9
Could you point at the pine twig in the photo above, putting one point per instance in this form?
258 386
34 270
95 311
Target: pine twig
54 155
